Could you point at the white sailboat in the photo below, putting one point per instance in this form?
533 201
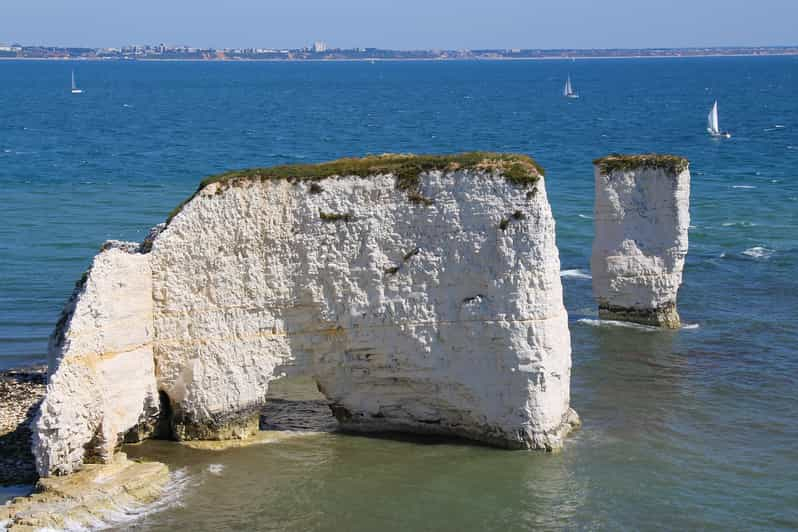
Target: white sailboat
568 90
75 89
713 126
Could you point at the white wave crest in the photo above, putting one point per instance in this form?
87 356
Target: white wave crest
759 252
613 323
585 216
172 495
738 224
743 186
629 325
575 274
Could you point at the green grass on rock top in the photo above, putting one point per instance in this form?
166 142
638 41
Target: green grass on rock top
673 164
406 168
521 170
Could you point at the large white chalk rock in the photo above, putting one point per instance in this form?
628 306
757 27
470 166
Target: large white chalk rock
434 307
422 293
641 221
101 371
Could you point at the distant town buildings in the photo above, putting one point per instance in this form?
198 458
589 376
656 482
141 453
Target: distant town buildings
320 50
10 48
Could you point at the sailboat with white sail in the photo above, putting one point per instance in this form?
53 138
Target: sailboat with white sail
568 90
713 126
75 89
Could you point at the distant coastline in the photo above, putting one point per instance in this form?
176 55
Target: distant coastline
321 53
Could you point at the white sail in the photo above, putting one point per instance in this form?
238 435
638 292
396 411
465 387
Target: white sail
568 90
712 120
75 89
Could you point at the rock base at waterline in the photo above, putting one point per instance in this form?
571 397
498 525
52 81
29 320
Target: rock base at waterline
665 316
526 438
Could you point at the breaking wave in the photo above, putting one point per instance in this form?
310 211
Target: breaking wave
575 274
639 326
759 252
612 323
738 224
173 492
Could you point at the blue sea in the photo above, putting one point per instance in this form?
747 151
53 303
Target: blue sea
694 429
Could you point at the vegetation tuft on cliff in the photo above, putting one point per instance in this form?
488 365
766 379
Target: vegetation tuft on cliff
672 164
520 170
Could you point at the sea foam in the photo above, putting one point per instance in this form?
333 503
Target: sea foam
759 252
575 274
613 323
629 325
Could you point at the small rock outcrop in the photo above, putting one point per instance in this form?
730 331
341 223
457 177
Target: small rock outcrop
422 293
641 222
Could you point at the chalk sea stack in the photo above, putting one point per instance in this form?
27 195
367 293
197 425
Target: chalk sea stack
641 221
422 293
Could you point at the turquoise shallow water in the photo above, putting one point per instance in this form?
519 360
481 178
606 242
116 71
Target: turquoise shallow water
693 429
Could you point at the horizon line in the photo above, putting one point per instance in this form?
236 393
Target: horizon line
374 48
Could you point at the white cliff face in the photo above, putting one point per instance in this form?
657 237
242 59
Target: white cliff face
443 318
102 379
641 229
427 302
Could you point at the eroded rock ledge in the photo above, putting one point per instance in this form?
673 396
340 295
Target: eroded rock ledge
422 293
91 498
641 221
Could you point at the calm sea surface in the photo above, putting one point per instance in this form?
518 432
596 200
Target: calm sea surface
694 429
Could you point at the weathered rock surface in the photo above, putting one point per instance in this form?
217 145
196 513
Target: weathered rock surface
102 375
421 293
91 498
641 234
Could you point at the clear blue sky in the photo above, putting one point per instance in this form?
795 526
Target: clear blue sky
402 24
